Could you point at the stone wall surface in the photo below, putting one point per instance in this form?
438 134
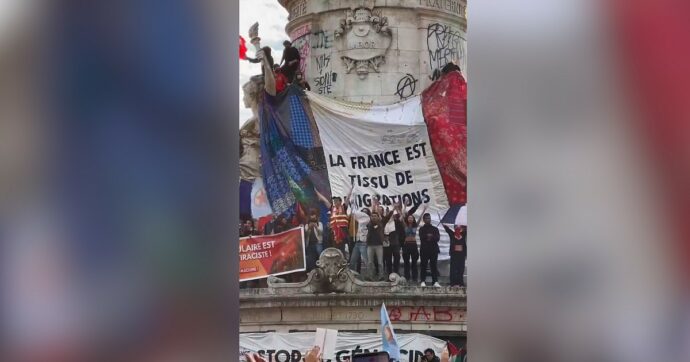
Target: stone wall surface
376 51
417 309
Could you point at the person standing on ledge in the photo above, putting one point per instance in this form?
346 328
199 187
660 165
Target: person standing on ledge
375 242
338 219
290 62
429 237
458 254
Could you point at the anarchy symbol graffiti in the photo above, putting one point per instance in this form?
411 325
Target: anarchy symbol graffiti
406 86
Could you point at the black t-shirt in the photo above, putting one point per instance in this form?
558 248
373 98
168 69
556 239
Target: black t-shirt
429 243
290 54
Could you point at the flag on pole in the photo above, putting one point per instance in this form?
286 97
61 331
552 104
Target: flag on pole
243 48
453 352
389 340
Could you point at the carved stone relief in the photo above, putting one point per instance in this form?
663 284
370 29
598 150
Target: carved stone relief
364 38
333 275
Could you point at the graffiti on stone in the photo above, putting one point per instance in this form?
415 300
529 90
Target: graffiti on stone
322 40
406 86
427 314
301 40
451 6
297 10
444 45
322 62
323 83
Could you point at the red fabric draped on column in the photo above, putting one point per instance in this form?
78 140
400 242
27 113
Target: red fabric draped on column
444 105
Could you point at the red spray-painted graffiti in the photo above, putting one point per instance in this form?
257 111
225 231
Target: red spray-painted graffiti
427 314
300 38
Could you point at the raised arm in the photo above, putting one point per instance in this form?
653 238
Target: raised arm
346 201
385 220
450 232
269 78
323 199
419 220
413 210
302 216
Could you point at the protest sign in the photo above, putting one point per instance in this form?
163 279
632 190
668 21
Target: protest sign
261 256
291 347
326 339
384 151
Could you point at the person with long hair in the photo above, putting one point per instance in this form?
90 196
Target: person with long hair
409 245
267 54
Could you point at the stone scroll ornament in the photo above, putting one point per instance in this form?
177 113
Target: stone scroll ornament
364 39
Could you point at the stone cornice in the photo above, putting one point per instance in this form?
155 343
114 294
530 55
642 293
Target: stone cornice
296 23
414 296
421 12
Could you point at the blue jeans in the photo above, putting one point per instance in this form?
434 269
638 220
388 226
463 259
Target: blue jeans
359 254
374 258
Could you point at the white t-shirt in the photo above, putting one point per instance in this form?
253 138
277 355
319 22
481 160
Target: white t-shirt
390 227
362 221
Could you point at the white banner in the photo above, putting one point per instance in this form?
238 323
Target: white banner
290 347
382 150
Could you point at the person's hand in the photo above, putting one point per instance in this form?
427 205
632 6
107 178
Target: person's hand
314 355
445 355
254 357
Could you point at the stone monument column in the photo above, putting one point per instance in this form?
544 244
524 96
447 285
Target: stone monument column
376 51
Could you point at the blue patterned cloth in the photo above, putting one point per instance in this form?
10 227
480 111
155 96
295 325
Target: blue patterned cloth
301 130
292 161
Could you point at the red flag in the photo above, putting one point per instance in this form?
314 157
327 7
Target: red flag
262 222
243 48
452 350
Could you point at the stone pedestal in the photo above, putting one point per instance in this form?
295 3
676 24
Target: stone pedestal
333 297
437 311
376 51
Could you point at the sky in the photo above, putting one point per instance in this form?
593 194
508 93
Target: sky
272 18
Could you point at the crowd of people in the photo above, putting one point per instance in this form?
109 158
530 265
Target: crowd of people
375 239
